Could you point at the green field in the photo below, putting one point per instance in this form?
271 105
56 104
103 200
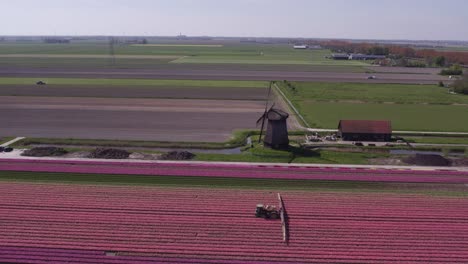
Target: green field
263 54
409 107
374 93
168 181
133 82
403 117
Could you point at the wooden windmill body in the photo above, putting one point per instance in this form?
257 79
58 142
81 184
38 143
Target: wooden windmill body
276 135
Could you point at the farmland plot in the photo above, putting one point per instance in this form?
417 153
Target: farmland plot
59 223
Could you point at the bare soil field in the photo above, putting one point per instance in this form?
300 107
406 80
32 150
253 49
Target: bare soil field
223 74
228 93
131 119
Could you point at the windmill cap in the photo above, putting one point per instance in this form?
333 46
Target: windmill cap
277 115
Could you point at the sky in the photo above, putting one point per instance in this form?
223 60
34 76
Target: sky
353 19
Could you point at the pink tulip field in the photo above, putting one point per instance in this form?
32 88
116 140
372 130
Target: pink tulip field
236 171
78 223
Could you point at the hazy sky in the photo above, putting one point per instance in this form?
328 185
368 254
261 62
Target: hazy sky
376 19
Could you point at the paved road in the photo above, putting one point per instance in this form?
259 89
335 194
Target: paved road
223 74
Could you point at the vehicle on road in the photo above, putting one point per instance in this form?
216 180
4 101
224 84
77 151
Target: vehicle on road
40 83
373 77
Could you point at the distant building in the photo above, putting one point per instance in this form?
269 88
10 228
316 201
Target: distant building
366 57
56 40
357 57
365 130
301 46
315 47
337 56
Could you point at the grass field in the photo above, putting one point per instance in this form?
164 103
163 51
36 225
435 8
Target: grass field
133 82
374 93
409 107
179 45
210 182
199 54
5 139
403 117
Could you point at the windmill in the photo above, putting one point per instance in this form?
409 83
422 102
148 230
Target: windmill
276 135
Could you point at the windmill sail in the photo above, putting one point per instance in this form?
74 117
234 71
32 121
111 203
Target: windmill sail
264 116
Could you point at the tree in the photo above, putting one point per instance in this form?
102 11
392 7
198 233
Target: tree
454 70
461 86
440 61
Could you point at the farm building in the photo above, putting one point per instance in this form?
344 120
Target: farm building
301 46
340 56
365 130
365 57
356 57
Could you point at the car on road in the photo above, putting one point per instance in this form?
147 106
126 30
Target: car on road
40 83
373 77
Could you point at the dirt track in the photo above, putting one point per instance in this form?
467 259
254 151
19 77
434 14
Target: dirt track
132 119
222 74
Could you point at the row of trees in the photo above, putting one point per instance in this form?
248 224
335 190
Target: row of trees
431 57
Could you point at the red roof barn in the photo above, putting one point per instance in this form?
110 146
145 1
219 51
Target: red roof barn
365 130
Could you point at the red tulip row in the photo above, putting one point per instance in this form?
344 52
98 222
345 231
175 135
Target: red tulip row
59 223
236 171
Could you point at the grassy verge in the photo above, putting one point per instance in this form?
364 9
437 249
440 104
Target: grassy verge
437 140
210 182
297 155
239 138
229 183
5 139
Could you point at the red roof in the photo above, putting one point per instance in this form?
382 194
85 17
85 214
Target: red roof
365 126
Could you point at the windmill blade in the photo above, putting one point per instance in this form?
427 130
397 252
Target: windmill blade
260 119
268 97
273 105
261 130
264 116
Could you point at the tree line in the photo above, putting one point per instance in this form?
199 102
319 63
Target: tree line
431 56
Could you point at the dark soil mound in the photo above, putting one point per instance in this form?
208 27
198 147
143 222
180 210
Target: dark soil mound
178 155
427 160
44 152
103 153
463 162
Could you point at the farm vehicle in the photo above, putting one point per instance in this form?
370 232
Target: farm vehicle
267 212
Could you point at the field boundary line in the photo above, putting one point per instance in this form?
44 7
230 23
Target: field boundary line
6 144
291 106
